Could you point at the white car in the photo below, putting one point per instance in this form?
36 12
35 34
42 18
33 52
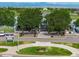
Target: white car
2 34
9 36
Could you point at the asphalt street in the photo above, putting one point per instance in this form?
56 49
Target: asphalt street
55 39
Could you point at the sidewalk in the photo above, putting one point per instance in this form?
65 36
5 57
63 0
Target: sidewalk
12 50
43 35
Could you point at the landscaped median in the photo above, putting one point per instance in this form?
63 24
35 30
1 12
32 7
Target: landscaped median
15 43
38 49
74 45
44 50
3 50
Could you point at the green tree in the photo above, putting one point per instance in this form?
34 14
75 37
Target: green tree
7 17
58 20
77 22
29 18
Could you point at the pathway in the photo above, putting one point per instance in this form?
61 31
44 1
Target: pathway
12 50
43 35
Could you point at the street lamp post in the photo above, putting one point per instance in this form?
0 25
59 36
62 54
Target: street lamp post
15 27
18 42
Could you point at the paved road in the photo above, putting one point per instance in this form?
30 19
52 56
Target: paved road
51 40
56 39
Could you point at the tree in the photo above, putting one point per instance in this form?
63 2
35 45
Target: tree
77 22
7 17
29 19
58 20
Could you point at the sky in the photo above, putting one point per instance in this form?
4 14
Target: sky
40 4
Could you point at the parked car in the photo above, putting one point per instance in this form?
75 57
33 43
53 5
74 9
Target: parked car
9 36
2 34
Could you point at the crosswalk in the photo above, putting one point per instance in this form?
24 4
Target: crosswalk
43 35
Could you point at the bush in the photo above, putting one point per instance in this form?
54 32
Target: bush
3 49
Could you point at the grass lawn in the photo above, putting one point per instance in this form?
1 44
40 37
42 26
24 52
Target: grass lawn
46 50
3 50
13 43
75 45
7 29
